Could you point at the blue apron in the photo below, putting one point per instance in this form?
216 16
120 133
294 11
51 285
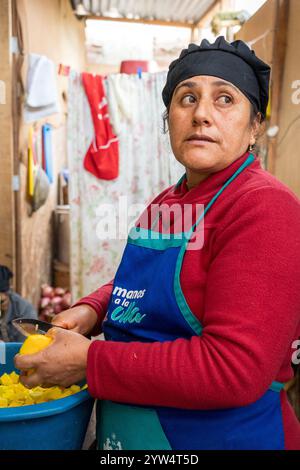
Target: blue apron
147 304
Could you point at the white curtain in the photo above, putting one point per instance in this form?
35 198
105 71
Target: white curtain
147 166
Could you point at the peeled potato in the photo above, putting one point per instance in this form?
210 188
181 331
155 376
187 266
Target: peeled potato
35 343
13 393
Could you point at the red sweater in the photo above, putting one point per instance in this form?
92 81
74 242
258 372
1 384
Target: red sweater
243 285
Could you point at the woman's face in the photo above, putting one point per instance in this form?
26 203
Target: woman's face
210 106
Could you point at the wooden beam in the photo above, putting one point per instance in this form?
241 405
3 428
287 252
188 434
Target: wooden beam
7 234
195 34
177 24
279 52
17 107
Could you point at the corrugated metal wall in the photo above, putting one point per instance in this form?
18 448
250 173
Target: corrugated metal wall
189 11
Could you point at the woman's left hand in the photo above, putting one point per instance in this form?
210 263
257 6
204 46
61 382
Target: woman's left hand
62 363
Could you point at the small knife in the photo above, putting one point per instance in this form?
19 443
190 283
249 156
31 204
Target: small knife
30 326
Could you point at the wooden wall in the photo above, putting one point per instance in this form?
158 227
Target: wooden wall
264 32
287 164
259 30
7 235
49 28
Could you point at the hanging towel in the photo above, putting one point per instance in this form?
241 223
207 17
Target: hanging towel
124 94
102 158
41 88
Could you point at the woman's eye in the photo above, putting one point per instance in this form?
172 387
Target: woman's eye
188 99
225 99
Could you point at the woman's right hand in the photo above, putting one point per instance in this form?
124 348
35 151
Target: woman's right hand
81 319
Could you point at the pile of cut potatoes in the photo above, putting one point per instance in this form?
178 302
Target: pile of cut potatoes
13 393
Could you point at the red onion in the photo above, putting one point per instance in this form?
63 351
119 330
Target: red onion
57 308
66 300
44 302
46 314
59 291
56 300
47 291
43 316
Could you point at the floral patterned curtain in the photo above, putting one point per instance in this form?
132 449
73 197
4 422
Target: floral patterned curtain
147 166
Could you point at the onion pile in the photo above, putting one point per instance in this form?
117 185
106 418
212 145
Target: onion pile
53 301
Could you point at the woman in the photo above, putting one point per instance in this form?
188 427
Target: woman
12 305
198 332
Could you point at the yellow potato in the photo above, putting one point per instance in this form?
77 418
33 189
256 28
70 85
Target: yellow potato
15 403
28 401
3 402
54 393
75 388
35 343
14 378
13 393
6 379
66 393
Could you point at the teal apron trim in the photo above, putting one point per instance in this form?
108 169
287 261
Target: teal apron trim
154 240
180 181
246 163
181 301
276 386
188 315
119 426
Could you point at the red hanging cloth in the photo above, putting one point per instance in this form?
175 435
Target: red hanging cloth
102 158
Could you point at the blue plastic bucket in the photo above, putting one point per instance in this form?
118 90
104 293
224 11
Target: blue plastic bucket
56 425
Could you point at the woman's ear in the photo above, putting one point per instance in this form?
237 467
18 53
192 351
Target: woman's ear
256 129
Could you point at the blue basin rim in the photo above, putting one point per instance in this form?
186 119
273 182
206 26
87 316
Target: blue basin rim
40 410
